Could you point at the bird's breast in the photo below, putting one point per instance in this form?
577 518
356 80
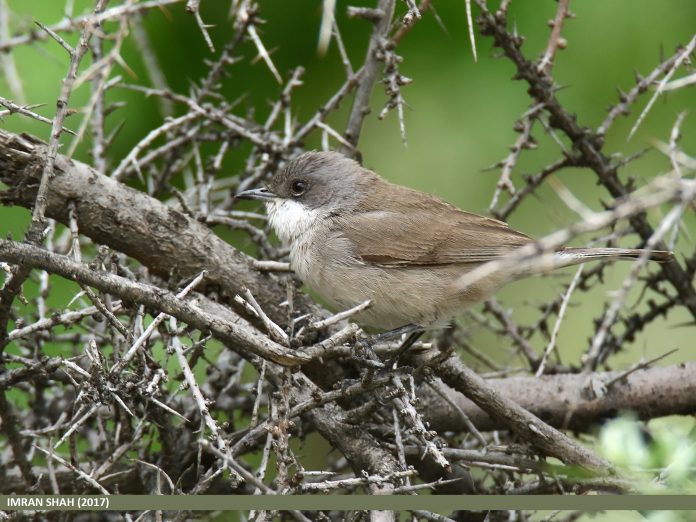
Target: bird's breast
320 256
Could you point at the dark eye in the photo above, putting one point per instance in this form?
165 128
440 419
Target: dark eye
298 187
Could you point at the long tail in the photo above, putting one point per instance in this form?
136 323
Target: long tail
560 258
575 256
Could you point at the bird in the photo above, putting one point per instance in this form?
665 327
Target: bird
355 237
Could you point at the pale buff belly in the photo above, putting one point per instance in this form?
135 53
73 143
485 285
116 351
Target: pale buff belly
399 296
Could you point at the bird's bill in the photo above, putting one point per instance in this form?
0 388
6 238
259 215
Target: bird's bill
262 194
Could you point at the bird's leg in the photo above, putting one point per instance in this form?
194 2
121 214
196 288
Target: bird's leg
410 341
414 332
366 356
398 332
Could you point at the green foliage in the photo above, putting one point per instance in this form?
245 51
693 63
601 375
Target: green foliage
661 456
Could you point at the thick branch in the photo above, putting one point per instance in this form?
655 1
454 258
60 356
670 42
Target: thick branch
506 411
571 401
161 238
235 335
363 451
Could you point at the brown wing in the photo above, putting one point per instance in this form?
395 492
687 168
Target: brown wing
427 233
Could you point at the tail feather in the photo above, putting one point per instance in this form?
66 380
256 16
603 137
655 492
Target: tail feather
575 256
559 259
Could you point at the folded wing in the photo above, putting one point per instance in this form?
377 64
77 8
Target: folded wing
439 235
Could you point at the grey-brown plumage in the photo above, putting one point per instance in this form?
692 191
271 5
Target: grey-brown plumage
354 236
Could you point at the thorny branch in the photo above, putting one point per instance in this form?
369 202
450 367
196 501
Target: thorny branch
138 256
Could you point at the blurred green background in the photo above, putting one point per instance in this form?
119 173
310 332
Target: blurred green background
459 117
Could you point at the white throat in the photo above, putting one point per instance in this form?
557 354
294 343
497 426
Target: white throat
290 219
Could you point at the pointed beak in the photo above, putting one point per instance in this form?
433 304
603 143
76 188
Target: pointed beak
262 194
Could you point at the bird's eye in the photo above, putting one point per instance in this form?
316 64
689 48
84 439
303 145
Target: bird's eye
298 188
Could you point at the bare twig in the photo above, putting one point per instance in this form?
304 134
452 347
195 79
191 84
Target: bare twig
361 102
557 326
555 40
681 57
